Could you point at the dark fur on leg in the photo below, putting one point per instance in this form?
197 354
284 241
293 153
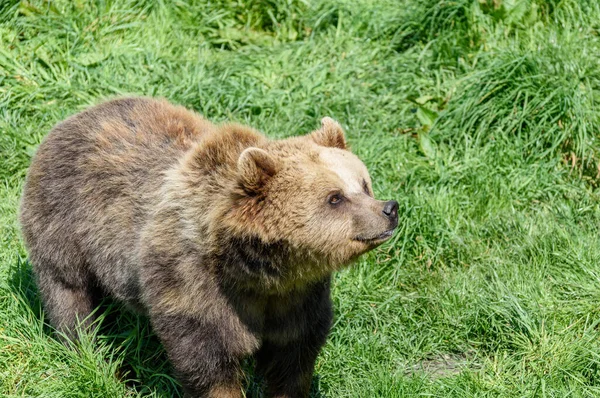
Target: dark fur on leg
199 356
287 366
68 303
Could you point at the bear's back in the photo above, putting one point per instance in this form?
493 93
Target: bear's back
94 179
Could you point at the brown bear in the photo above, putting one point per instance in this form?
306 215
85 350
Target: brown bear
224 238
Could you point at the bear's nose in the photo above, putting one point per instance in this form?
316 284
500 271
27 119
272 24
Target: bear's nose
390 209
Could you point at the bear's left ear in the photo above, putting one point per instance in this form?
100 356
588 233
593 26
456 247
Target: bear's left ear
330 134
255 167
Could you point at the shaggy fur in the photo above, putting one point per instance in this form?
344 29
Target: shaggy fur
226 239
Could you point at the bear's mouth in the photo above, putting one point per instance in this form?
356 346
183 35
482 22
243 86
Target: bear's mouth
376 239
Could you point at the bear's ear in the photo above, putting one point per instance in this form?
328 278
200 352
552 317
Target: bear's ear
330 134
255 167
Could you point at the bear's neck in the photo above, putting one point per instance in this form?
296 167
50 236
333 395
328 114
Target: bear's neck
256 266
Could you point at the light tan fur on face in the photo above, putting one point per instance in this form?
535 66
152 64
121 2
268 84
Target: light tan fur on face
348 167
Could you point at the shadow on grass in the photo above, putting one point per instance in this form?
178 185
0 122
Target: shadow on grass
145 367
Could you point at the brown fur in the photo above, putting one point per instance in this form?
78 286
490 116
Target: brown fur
226 239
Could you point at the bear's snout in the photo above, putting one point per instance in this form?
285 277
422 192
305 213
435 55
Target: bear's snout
390 210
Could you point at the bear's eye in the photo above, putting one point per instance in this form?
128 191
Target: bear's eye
366 187
335 199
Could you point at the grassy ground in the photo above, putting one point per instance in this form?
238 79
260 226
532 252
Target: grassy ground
479 117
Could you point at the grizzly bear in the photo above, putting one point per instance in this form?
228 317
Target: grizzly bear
225 239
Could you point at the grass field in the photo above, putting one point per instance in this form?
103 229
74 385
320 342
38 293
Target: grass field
479 116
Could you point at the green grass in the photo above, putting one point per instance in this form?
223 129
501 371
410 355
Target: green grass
480 117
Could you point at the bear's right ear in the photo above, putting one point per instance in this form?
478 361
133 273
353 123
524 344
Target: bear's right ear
255 167
330 134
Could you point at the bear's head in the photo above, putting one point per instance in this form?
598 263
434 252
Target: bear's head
313 197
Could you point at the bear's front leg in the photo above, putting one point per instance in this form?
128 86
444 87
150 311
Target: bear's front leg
295 332
203 360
